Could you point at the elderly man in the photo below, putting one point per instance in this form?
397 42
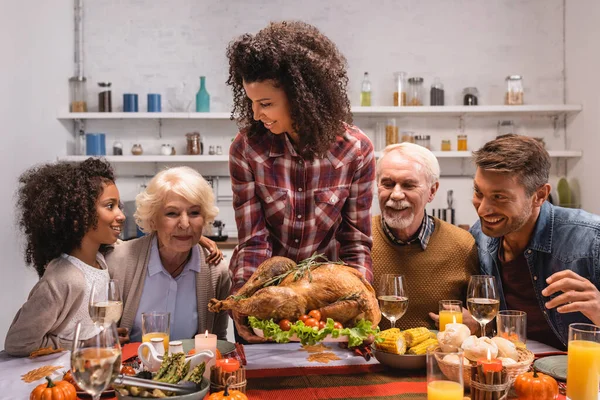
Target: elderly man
436 258
546 259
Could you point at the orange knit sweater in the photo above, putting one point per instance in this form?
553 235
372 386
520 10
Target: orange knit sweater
441 272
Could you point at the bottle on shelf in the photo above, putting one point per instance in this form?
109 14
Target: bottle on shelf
415 91
365 91
104 97
401 89
436 97
77 84
202 97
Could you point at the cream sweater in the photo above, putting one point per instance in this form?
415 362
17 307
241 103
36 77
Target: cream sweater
52 304
128 262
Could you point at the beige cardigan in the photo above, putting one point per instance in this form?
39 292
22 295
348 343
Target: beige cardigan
52 303
128 262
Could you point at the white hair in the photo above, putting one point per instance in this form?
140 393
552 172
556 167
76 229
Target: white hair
417 153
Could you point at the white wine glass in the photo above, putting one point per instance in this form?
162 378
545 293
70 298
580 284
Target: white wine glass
106 305
482 299
392 296
95 360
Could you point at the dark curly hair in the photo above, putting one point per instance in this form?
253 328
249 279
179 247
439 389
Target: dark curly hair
57 207
311 71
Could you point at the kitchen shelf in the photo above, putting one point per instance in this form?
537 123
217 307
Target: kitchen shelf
152 159
376 111
225 158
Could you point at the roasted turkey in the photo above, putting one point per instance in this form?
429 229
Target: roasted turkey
280 289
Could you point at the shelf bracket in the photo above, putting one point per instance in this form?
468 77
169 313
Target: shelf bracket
160 123
461 124
79 130
555 120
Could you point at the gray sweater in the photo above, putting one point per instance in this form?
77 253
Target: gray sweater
128 262
51 304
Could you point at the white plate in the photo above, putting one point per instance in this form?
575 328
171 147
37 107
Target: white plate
327 339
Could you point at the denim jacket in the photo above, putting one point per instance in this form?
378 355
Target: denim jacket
563 238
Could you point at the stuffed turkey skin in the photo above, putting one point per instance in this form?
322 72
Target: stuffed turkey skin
337 291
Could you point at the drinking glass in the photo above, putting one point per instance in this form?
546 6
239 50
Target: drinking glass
482 299
393 300
512 325
106 305
95 361
450 312
444 374
156 325
583 362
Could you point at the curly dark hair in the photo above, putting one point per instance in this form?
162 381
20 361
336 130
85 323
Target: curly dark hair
310 69
57 207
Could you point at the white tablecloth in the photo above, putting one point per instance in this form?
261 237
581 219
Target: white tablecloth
259 356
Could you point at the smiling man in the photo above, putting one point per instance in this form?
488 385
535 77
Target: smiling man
435 257
546 259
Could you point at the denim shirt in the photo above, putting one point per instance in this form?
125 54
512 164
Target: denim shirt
563 238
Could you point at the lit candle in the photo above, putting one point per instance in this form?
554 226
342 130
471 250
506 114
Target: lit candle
449 316
206 341
490 364
228 364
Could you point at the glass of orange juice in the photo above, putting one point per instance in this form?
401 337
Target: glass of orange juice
583 362
156 324
450 313
444 379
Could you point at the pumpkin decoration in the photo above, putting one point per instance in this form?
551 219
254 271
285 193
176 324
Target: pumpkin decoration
59 390
536 386
228 394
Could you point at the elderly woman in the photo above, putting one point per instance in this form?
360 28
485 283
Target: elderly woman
166 270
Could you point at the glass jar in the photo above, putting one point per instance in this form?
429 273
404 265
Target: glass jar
117 148
380 136
400 89
391 132
470 96
505 127
77 84
423 140
211 150
104 97
137 150
219 150
514 90
415 91
436 95
461 143
408 137
193 147
446 145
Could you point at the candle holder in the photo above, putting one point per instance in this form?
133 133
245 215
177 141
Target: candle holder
489 385
219 378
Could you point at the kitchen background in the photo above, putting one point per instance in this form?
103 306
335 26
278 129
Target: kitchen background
144 46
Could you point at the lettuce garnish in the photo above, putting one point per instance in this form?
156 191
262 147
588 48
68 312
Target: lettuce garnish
309 335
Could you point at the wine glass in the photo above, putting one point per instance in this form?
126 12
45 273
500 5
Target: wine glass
106 305
482 299
96 357
393 299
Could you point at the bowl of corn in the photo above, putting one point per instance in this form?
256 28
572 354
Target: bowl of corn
404 349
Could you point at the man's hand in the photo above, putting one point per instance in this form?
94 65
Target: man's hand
468 320
123 335
578 295
244 330
215 255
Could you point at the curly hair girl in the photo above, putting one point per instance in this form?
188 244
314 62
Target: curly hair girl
311 71
57 204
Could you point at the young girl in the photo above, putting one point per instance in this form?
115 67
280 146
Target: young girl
302 175
66 213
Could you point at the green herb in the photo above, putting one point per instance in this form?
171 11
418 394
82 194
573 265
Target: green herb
302 268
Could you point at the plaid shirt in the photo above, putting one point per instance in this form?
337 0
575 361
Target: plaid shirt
425 232
286 206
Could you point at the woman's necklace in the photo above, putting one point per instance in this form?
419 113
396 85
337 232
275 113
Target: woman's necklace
178 270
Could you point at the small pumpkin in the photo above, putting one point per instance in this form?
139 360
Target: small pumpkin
536 386
59 390
228 394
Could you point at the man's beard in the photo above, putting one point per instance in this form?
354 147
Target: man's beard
391 217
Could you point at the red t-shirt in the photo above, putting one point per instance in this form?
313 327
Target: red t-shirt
520 295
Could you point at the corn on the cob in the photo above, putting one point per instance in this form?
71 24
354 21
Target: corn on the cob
415 336
394 341
422 347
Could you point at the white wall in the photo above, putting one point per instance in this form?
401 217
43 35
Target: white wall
583 86
148 46
36 58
